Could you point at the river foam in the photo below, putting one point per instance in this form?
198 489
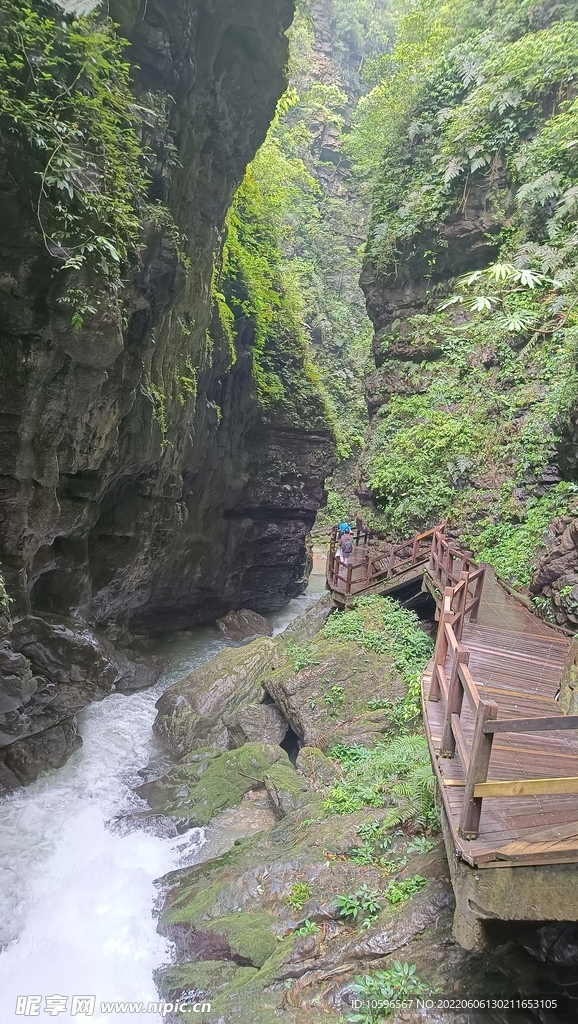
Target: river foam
76 892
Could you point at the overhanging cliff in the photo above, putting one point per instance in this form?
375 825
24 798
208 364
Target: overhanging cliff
125 496
141 482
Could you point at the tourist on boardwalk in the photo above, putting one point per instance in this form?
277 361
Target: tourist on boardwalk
346 546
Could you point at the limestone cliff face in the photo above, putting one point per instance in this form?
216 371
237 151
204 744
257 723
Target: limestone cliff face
126 498
464 242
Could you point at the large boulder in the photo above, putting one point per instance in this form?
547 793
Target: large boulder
287 790
307 625
244 625
324 691
234 922
208 781
256 723
48 749
18 682
320 771
50 669
192 713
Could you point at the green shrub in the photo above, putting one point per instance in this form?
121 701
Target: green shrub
376 991
397 775
399 892
308 928
76 121
299 894
363 904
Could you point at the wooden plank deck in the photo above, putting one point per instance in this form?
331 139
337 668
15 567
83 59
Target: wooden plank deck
359 558
517 661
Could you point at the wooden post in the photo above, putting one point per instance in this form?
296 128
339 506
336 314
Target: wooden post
478 770
432 556
348 579
391 562
478 594
450 567
441 648
415 549
460 611
455 700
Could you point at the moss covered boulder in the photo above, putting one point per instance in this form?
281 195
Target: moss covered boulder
288 790
325 688
254 723
247 908
320 771
208 781
191 713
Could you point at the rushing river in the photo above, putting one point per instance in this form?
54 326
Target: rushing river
76 877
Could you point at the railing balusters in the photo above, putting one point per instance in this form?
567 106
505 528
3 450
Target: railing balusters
441 648
480 754
455 701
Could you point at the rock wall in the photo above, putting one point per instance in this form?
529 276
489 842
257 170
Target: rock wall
127 500
465 241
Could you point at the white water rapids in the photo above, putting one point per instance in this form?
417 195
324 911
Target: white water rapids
76 890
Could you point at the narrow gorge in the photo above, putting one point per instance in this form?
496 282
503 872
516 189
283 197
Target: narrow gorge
145 486
267 267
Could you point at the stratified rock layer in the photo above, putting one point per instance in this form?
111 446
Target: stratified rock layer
127 499
101 515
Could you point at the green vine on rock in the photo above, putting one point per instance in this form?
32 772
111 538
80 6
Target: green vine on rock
69 116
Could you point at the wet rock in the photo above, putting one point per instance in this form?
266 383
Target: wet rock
49 749
247 892
17 683
320 771
394 930
139 672
243 938
256 723
287 790
244 625
556 576
255 813
326 701
8 780
307 625
192 713
208 781
59 667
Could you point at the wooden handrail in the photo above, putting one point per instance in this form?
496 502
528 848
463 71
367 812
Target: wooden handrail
383 565
534 724
459 683
527 787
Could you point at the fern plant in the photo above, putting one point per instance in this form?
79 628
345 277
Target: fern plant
396 775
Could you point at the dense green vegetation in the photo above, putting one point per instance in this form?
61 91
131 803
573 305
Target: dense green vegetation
397 773
68 113
396 631
473 114
297 229
259 306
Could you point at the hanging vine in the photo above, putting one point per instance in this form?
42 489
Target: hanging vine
68 113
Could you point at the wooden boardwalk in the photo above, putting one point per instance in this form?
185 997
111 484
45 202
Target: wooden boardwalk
505 758
376 571
516 663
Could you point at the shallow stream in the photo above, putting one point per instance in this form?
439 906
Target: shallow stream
77 872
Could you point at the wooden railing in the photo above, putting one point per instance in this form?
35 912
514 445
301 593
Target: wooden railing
366 571
451 686
448 566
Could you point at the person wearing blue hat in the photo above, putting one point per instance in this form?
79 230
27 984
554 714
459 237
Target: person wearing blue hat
345 543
